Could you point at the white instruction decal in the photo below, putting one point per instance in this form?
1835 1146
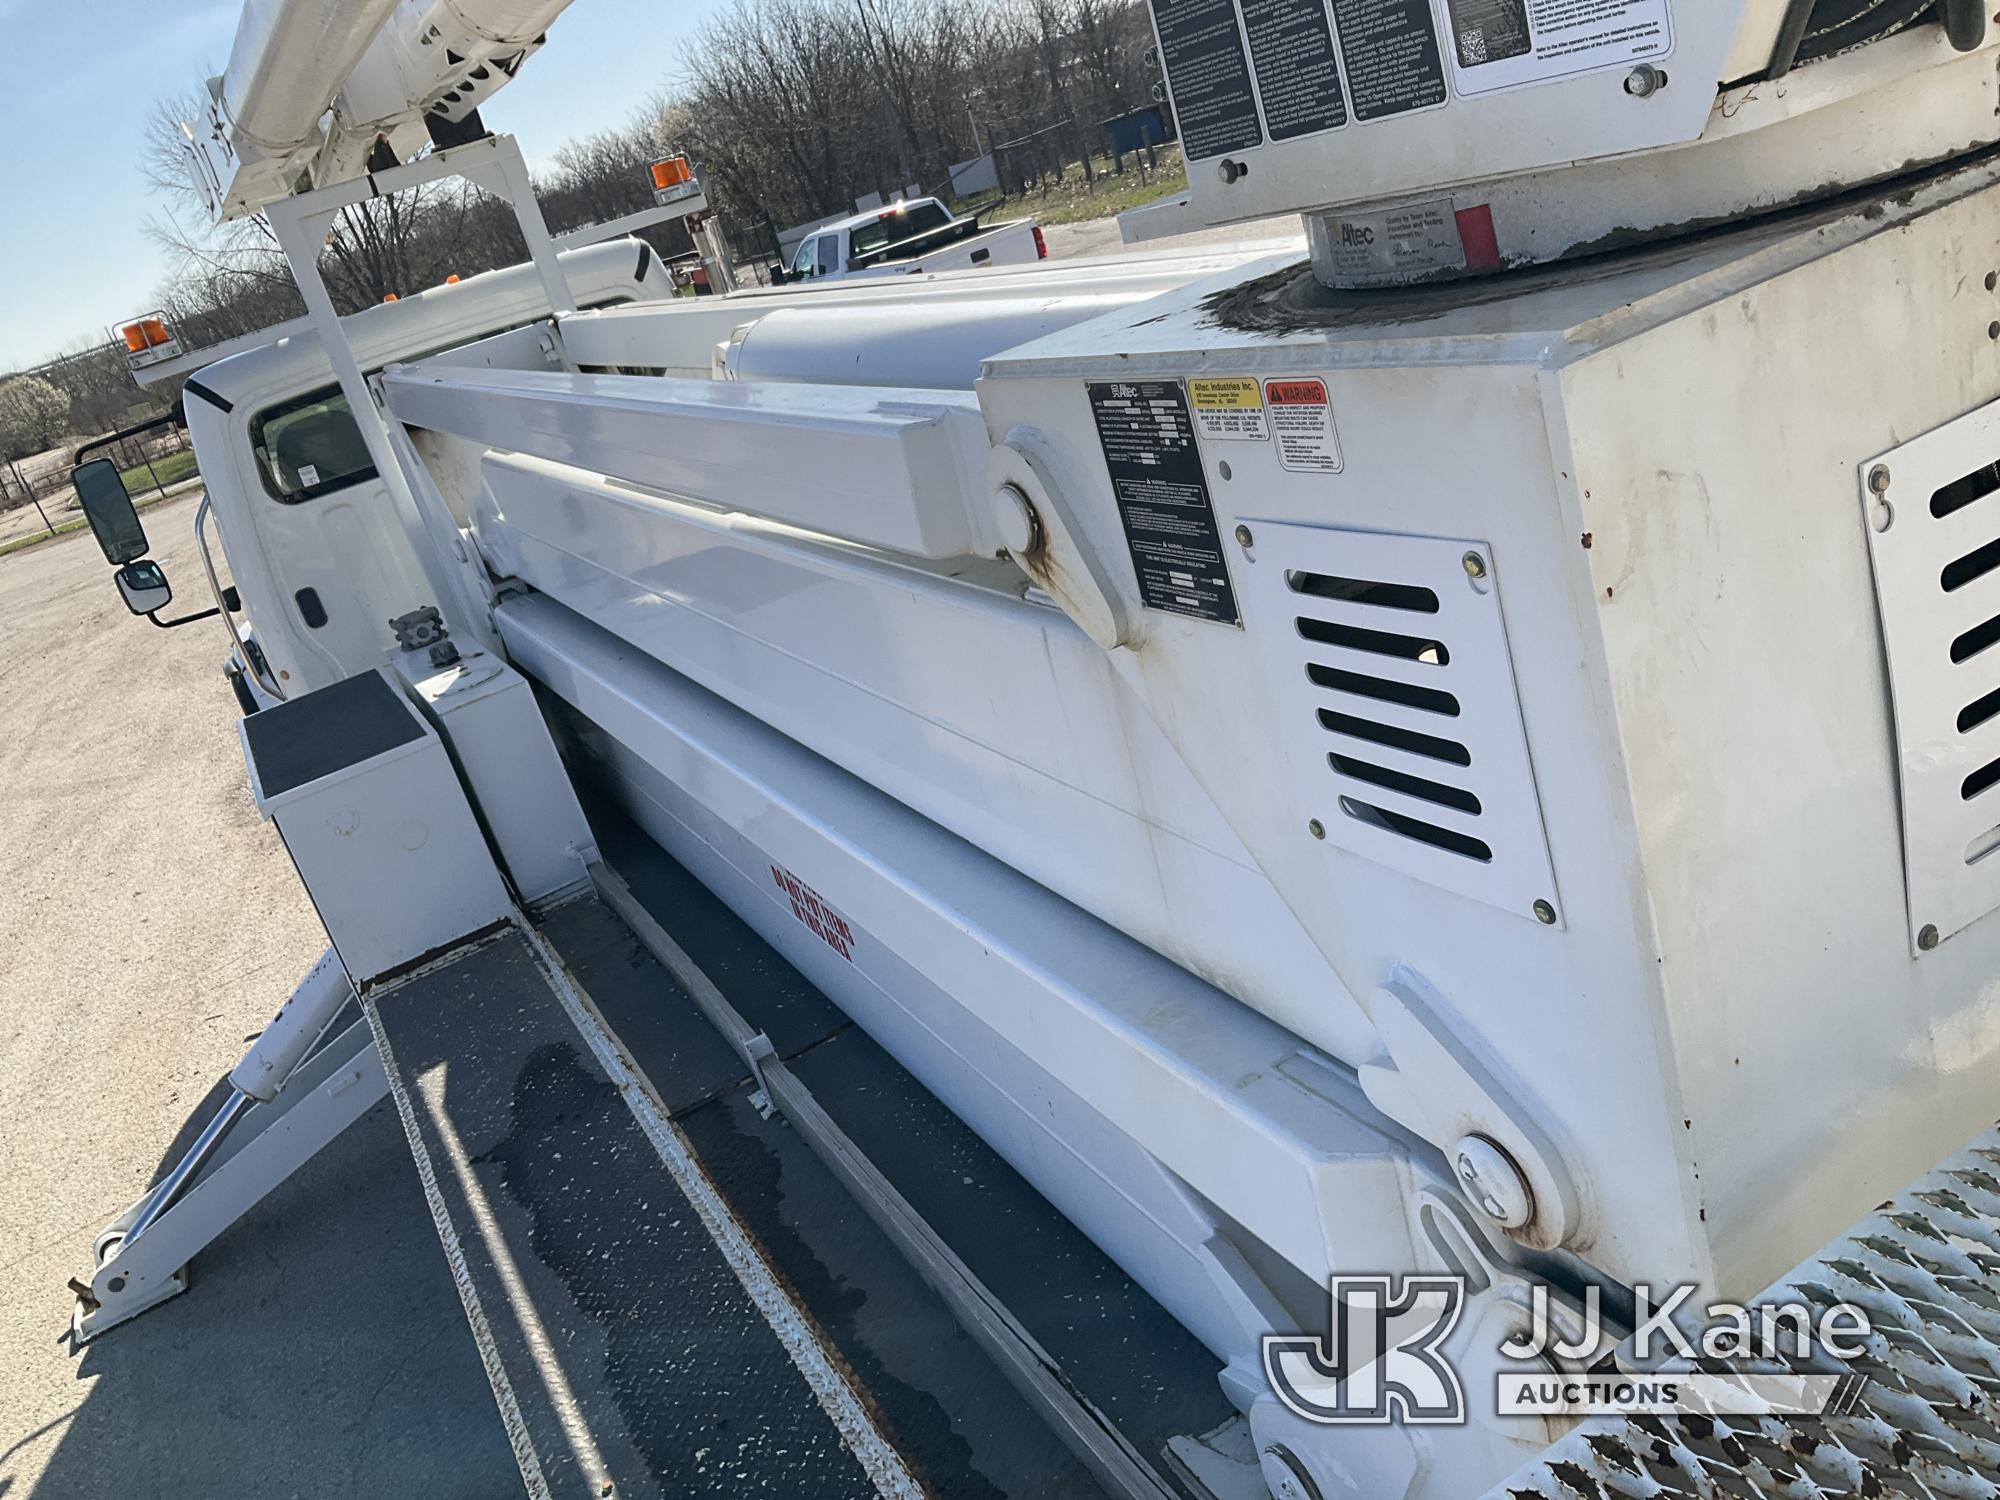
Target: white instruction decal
1230 408
1302 418
1499 44
308 475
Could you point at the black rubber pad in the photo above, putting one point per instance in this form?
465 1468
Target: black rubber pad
328 730
612 1309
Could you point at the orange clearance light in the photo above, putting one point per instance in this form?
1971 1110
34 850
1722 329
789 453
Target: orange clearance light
155 330
452 279
392 297
671 173
134 335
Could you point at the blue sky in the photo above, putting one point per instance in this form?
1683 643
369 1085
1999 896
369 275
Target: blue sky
80 76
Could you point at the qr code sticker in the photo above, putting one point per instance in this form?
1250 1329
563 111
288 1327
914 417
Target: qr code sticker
1472 46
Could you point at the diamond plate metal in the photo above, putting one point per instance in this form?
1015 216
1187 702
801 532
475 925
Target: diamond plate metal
1926 1268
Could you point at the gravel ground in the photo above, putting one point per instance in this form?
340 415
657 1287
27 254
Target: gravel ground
149 925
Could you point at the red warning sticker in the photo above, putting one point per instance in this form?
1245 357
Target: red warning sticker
1302 422
812 909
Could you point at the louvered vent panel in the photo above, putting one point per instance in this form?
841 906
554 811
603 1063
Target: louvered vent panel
1396 697
1932 513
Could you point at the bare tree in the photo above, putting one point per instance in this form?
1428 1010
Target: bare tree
34 415
790 108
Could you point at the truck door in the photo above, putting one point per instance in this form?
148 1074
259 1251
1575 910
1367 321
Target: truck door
340 562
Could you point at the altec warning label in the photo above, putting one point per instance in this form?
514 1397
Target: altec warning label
1302 423
1229 408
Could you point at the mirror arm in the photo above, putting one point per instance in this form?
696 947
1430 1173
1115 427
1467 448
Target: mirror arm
207 614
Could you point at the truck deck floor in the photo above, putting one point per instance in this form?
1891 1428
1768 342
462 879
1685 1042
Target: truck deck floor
1113 1343
622 1346
617 1329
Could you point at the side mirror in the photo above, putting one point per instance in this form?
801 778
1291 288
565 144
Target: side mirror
114 521
144 587
779 276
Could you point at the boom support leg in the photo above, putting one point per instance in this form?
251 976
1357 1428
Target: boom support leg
280 1112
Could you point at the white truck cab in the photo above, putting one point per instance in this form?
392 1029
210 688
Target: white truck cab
308 526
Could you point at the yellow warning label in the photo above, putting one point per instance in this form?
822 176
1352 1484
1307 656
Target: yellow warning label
1225 394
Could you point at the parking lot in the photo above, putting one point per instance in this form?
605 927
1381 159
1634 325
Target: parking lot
150 923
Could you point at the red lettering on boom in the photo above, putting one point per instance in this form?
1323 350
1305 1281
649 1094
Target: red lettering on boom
814 914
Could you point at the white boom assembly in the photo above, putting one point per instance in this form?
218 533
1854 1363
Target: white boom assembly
1466 752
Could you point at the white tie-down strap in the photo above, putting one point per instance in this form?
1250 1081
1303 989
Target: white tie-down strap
1926 1270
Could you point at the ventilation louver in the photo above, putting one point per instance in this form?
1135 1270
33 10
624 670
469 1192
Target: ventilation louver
1932 513
1389 659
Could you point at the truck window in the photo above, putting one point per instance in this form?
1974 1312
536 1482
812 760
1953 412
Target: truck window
828 254
920 218
803 263
309 446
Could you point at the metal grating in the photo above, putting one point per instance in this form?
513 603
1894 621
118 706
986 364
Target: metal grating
1932 514
1926 1267
1388 658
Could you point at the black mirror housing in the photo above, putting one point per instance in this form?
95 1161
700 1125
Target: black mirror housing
114 520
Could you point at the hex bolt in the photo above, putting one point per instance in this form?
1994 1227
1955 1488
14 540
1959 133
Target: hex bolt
1475 565
1229 170
1927 937
1243 537
1644 81
1878 480
1316 828
1493 1182
1545 913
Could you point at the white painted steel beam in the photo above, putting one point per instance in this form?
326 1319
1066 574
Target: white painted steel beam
1086 1059
900 470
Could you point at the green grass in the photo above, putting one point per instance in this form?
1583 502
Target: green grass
1073 200
171 469
23 543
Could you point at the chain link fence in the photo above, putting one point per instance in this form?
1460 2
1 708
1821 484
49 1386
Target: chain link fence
35 493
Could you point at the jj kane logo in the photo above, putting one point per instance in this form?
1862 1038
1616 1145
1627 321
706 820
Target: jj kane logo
1384 1359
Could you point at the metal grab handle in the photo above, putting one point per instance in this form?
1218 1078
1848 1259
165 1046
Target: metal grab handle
240 646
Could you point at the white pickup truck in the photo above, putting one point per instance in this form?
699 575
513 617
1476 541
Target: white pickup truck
916 236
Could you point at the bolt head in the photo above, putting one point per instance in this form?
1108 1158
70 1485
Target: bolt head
1644 81
1493 1182
1545 913
1878 480
1243 536
1474 565
1228 170
1316 828
1927 937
